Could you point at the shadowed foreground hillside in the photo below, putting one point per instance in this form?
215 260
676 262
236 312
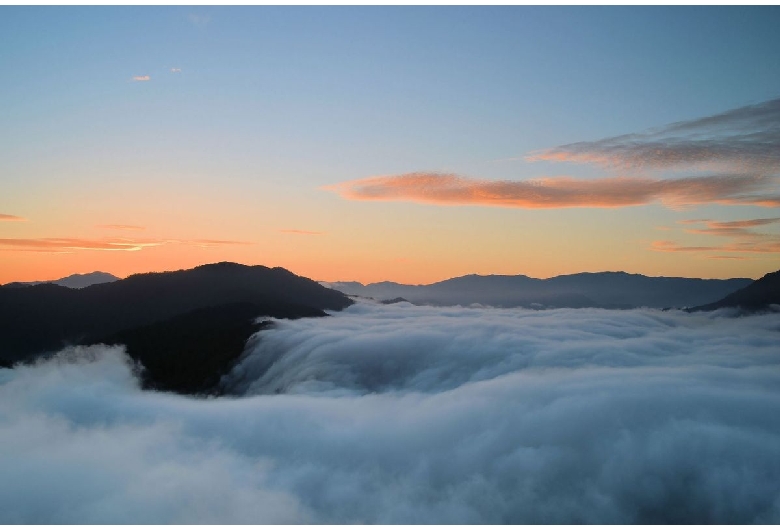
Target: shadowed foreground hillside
168 320
756 296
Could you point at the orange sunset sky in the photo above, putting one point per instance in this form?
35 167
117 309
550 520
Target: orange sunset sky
403 144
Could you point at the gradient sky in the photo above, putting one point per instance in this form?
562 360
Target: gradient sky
406 143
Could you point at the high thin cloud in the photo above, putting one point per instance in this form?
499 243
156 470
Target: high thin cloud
199 20
8 217
403 414
59 245
747 138
122 227
141 78
302 232
175 70
68 244
743 239
209 243
563 192
740 150
756 246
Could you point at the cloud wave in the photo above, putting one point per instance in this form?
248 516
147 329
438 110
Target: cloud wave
562 192
403 414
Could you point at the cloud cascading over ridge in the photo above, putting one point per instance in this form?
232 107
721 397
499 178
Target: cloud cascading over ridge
563 192
746 138
403 414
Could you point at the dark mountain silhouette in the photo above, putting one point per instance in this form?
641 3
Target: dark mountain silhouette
394 301
44 318
756 296
74 281
189 353
616 290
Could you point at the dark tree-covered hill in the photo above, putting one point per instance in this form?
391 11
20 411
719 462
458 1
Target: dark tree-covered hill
756 296
46 317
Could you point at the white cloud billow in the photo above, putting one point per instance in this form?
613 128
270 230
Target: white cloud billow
388 414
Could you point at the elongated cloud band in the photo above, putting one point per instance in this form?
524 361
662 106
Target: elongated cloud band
8 217
141 78
122 227
302 232
60 245
562 192
747 138
742 239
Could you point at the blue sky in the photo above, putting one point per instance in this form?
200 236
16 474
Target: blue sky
274 103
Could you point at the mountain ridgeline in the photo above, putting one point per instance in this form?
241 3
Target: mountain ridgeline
609 290
167 320
74 281
757 296
187 328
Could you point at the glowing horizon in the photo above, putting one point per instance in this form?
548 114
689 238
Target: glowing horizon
381 147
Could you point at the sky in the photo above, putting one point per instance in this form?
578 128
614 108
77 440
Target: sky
410 144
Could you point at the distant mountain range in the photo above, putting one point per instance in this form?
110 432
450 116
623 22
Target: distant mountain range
187 328
758 295
168 320
74 281
611 290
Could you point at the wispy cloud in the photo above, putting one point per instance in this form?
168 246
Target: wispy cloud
562 192
729 228
747 138
302 232
759 247
198 19
122 227
12 218
741 238
209 243
68 244
59 245
175 70
141 78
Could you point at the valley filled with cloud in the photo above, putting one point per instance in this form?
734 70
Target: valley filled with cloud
401 414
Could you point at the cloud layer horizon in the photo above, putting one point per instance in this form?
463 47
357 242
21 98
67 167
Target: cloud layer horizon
404 414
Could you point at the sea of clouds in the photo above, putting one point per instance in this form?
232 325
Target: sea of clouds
404 414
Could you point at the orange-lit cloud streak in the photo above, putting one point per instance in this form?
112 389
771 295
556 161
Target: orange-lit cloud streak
562 192
742 238
12 218
59 245
302 232
769 246
122 227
